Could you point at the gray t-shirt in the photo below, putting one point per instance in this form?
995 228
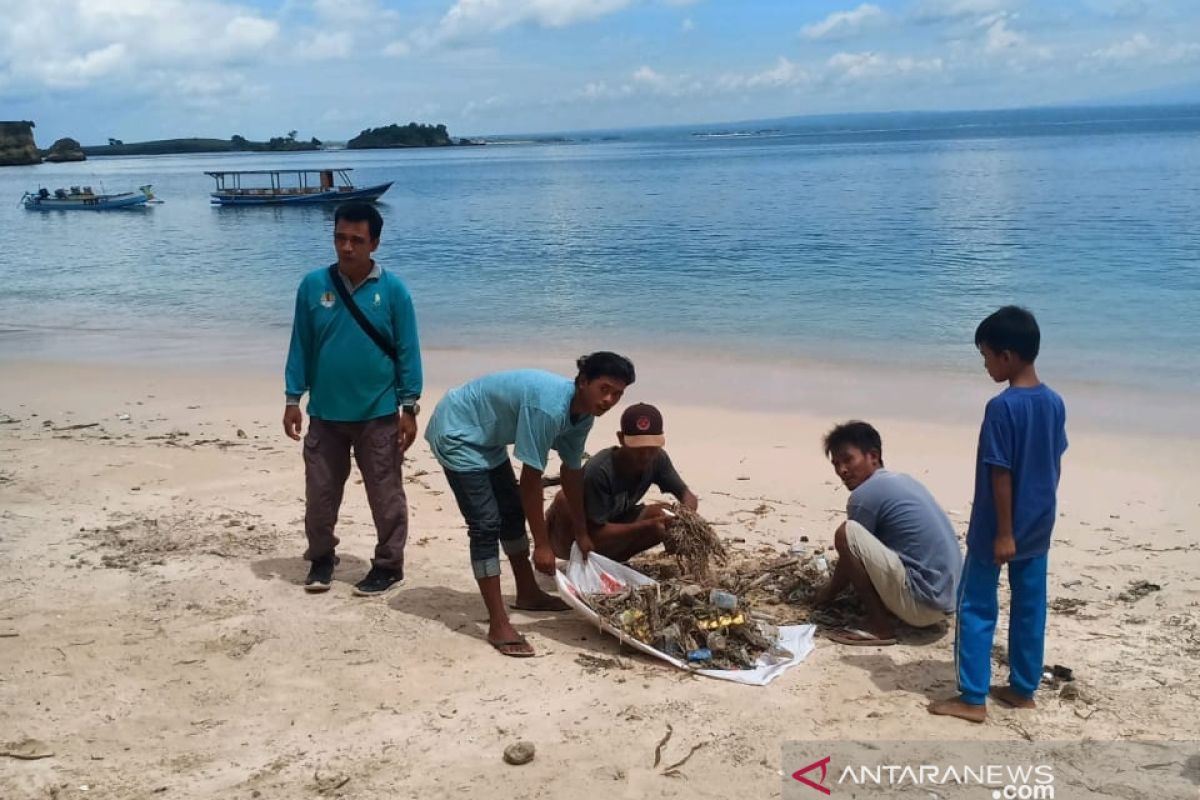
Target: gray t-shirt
902 514
608 498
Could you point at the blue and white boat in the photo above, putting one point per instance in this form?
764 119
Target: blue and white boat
289 186
84 199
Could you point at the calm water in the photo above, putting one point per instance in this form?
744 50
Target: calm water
872 239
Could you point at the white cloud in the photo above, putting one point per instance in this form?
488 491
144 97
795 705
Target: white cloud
468 17
472 19
131 40
999 36
845 24
784 73
326 45
949 10
687 25
871 66
1141 49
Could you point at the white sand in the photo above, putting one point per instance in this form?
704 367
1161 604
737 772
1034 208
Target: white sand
156 639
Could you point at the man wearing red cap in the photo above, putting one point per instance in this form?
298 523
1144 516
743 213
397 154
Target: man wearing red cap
614 483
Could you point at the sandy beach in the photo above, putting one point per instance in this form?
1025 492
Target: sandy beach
155 640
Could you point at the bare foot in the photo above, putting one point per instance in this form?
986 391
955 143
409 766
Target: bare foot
1011 697
955 707
540 602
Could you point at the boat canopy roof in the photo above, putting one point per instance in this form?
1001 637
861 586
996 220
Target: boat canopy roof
313 171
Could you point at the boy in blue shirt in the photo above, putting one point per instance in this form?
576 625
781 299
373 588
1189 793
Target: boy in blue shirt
536 412
1018 462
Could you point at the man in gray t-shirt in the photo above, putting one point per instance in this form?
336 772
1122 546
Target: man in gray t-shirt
896 548
614 483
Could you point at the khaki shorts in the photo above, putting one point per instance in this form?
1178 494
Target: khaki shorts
889 577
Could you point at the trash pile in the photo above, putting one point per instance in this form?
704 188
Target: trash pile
779 587
708 628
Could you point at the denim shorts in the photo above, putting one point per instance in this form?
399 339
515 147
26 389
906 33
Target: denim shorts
490 502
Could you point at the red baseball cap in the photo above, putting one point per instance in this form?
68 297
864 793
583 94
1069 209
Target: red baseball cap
642 426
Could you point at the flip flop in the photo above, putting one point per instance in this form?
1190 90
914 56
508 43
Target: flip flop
855 637
507 646
562 607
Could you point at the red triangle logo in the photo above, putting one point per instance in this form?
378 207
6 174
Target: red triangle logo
823 764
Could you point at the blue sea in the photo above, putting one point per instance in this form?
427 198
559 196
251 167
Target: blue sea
867 239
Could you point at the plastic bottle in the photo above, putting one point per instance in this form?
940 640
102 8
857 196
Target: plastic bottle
726 601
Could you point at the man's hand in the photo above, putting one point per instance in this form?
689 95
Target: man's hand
655 517
408 431
585 544
543 559
1004 550
293 421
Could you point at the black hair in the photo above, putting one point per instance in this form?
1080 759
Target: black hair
854 433
604 364
360 211
1011 328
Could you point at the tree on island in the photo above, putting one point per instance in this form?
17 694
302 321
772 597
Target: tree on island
410 135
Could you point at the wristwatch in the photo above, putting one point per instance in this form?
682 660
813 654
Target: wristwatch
413 408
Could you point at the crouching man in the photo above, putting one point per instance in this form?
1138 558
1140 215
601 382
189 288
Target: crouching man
614 483
897 548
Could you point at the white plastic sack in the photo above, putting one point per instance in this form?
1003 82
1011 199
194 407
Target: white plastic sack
599 575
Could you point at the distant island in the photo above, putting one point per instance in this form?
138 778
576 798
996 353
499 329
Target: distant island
234 144
410 135
17 145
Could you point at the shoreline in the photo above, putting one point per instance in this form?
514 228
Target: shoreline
725 381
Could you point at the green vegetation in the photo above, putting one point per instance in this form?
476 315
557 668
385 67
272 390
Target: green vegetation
235 144
410 135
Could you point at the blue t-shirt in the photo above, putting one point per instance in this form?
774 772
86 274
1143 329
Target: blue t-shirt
1024 431
473 425
900 512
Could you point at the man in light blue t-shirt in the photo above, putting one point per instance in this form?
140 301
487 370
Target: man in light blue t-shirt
897 548
536 412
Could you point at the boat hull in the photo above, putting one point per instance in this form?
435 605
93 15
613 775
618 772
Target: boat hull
99 203
369 193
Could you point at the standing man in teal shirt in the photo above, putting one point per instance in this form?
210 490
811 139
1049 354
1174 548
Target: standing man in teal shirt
536 412
362 373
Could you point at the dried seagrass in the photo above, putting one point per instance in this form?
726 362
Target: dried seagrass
693 542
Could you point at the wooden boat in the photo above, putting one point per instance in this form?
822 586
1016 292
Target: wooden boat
289 186
83 198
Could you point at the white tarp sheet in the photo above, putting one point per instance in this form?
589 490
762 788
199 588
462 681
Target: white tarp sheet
598 574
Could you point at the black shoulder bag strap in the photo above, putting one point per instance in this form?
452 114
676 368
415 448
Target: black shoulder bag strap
356 312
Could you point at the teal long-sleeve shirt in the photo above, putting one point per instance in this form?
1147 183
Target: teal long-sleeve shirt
347 376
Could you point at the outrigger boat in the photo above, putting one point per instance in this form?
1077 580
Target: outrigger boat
299 186
77 198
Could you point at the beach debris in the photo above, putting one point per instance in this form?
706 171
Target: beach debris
27 749
1067 605
593 664
329 782
78 427
693 542
680 619
672 771
1137 590
519 753
241 434
662 743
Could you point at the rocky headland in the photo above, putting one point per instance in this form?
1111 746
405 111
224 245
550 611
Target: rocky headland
17 147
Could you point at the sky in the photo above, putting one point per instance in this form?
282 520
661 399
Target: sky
146 69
